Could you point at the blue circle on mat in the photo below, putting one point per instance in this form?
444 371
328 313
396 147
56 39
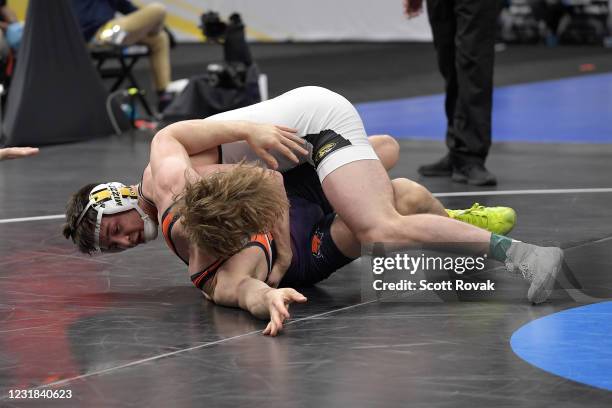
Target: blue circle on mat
575 344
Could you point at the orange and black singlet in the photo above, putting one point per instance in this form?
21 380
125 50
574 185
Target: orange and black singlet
264 241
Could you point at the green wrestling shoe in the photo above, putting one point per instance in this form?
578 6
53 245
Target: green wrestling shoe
498 220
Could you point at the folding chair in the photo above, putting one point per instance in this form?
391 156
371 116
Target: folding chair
126 58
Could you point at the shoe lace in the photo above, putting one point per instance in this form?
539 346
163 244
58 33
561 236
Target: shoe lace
526 271
476 215
523 268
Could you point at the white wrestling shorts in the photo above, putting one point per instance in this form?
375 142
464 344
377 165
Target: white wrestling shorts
329 122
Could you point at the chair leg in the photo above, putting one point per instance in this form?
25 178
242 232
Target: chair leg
126 69
134 83
145 105
127 63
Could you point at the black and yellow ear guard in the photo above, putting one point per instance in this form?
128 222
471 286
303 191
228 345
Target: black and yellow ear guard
110 198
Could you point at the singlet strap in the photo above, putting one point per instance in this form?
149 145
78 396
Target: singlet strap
144 198
168 220
141 194
199 279
265 241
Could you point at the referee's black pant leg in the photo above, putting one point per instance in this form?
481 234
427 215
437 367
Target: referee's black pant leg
470 138
443 23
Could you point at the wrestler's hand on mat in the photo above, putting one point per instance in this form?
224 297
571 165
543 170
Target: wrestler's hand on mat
278 301
17 152
262 138
413 8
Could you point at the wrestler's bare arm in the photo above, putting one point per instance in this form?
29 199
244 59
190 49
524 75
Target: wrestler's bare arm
170 169
201 135
240 283
8 153
172 147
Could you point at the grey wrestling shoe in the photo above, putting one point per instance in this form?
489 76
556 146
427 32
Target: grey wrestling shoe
538 265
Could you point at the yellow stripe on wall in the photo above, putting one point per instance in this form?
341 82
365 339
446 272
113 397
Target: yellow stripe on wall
186 6
190 27
259 36
19 7
181 24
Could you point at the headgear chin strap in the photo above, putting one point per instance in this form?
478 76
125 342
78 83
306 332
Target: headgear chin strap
115 198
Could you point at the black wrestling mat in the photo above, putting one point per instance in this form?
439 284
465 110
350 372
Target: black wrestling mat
129 330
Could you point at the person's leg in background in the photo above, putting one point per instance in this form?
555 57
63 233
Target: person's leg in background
146 26
474 59
550 12
464 39
159 44
443 26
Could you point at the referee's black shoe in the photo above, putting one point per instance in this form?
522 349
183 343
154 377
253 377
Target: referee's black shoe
474 174
441 168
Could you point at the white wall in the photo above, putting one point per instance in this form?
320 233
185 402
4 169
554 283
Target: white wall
303 20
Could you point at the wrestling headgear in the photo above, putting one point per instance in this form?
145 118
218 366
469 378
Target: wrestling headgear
115 198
